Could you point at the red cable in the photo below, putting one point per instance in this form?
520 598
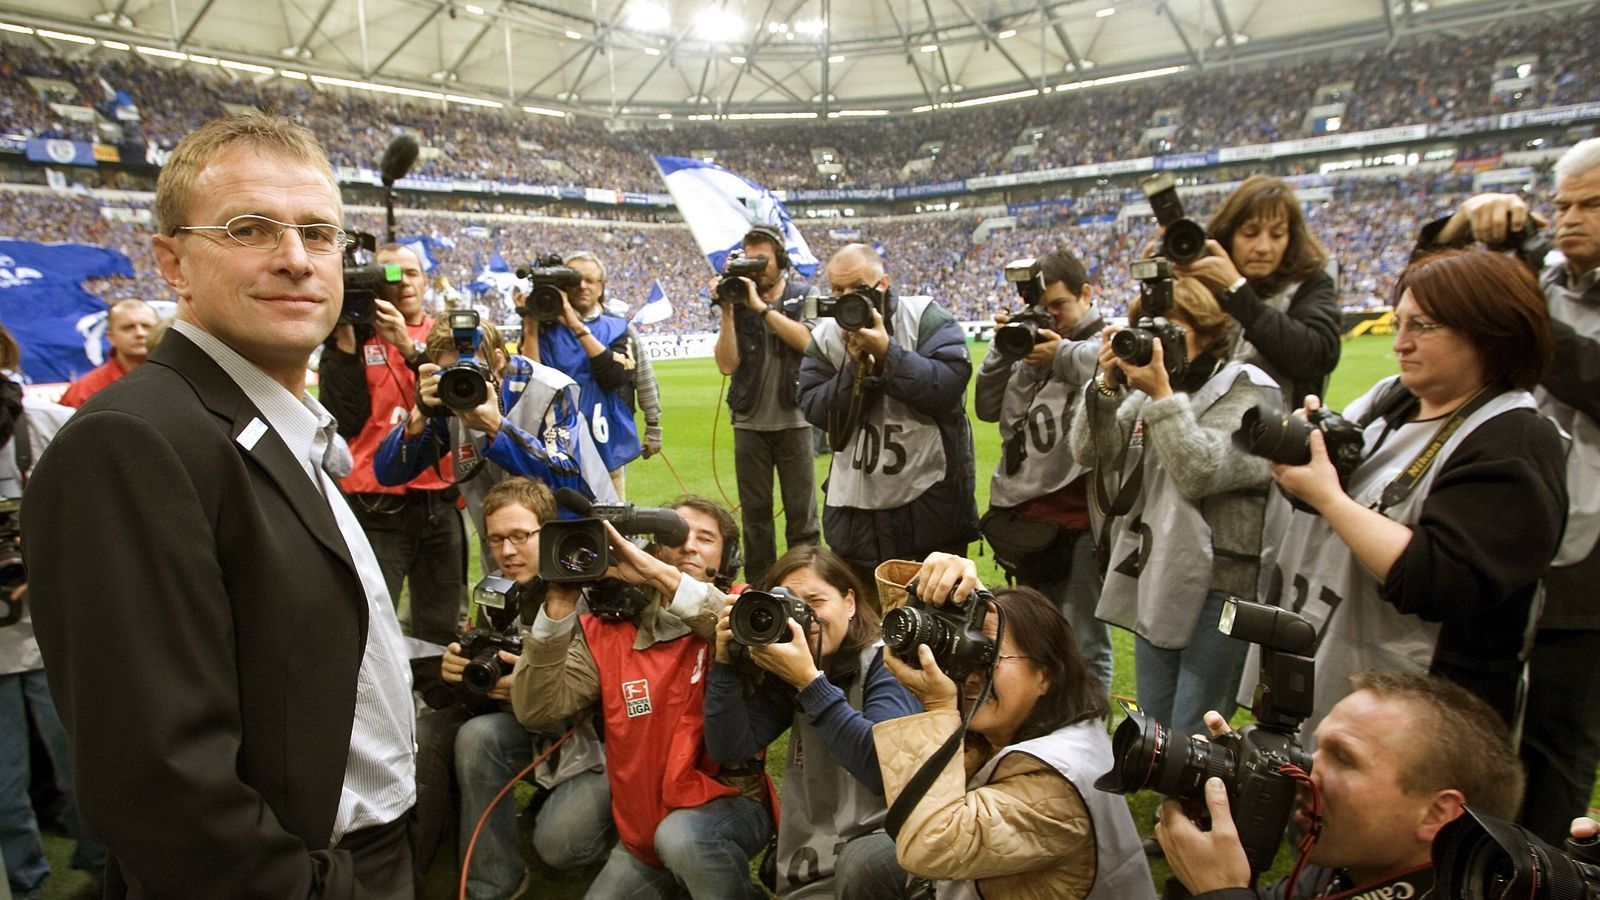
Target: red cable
1315 832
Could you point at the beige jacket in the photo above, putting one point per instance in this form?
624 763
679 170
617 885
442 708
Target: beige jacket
1025 834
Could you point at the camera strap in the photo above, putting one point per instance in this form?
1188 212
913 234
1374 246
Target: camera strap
840 433
1401 487
22 446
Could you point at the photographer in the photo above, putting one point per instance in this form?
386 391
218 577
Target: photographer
830 836
1426 555
574 824
1183 532
601 352
892 396
26 427
528 424
1396 760
1037 485
760 342
368 380
1561 737
1018 816
1266 270
684 823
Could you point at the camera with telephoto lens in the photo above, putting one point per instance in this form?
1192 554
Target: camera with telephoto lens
550 280
852 310
464 384
1479 857
576 550
762 617
1286 439
366 281
1018 336
730 289
500 600
954 632
1251 761
1182 238
1136 344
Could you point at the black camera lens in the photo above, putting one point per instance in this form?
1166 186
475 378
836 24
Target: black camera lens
577 553
1279 438
462 387
760 618
1480 857
545 303
1184 241
904 628
1147 754
1134 345
1015 340
12 572
853 313
480 675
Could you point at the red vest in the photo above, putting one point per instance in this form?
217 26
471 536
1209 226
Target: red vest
392 387
655 728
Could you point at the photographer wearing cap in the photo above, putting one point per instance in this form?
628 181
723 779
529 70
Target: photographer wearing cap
1037 486
490 746
826 685
1396 760
1017 815
892 396
1266 270
1561 735
1183 529
684 823
368 380
1421 550
528 424
600 351
760 342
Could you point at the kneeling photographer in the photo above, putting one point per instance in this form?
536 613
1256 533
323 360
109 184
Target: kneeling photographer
1017 815
1396 761
639 648
1430 510
483 415
1182 531
808 631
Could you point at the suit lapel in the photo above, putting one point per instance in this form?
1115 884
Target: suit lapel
224 398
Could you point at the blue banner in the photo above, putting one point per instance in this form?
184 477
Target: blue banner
929 190
65 153
1186 160
43 304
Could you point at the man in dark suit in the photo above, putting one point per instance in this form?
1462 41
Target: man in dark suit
215 626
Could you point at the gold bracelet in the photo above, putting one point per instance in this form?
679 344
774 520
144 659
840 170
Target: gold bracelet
1105 389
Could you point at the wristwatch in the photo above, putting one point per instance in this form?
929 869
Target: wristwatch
1238 283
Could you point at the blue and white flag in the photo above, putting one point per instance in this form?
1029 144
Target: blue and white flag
43 304
66 153
719 208
656 309
419 246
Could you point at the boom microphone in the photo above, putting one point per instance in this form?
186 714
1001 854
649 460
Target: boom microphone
398 158
573 501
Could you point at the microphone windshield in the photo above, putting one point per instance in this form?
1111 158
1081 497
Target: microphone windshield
573 501
397 159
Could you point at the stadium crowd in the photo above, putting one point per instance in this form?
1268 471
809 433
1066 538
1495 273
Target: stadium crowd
1443 78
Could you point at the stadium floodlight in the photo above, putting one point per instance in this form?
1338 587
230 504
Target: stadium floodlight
574 35
737 60
995 98
836 59
1103 13
290 73
1007 34
17 29
161 52
929 48
1121 79
118 45
473 101
63 36
652 51
203 60
811 27
475 10
544 111
851 113
719 24
663 116
246 67
647 15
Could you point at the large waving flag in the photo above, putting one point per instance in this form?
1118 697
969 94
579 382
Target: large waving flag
656 309
44 305
720 207
419 246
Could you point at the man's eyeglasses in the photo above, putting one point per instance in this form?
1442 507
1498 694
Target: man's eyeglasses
517 538
262 233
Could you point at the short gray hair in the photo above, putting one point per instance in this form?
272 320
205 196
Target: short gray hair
1580 159
590 257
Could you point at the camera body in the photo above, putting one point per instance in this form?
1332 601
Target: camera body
1479 856
953 632
759 618
1531 245
614 599
549 282
1182 238
1251 762
366 281
1282 438
852 310
1018 336
574 551
730 289
481 647
464 384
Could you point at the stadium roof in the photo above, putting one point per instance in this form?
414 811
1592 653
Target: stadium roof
769 58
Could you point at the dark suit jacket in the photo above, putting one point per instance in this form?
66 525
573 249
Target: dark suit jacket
202 625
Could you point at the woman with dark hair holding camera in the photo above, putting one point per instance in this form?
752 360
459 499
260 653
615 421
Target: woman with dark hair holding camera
1183 530
1266 270
830 686
1427 556
1018 816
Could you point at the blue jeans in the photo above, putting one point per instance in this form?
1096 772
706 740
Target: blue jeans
574 828
25 699
706 852
1177 687
1076 596
868 870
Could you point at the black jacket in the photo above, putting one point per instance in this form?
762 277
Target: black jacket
750 334
1299 346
